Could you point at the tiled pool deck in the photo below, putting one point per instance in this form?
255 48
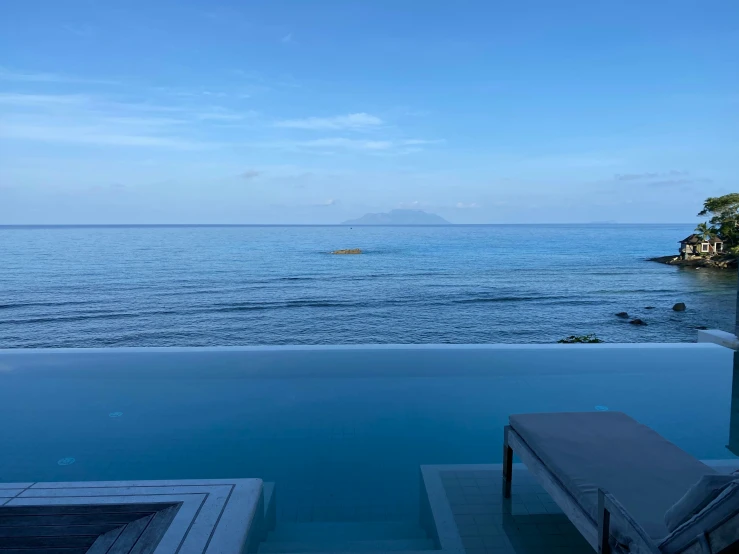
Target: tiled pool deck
472 515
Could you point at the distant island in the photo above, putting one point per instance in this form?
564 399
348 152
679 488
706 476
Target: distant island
399 217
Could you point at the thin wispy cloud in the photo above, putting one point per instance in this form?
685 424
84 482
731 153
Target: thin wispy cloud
350 144
32 77
565 162
222 114
333 144
328 203
650 175
80 30
287 38
662 179
679 182
421 142
90 120
467 205
250 174
75 134
43 100
350 121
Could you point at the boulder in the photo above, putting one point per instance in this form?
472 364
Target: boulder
679 307
637 322
622 314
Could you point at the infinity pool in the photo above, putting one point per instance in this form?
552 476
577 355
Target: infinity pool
341 430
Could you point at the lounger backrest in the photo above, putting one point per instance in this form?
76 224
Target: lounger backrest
719 522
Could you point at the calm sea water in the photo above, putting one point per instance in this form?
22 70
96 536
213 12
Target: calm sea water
202 286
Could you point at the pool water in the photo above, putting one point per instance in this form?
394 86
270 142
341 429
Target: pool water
341 430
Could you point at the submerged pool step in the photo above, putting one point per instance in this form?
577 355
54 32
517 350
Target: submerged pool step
397 545
346 531
365 536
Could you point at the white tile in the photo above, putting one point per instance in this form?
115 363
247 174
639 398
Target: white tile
202 527
234 525
15 486
176 534
124 491
96 484
61 500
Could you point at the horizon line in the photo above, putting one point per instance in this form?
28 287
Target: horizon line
114 225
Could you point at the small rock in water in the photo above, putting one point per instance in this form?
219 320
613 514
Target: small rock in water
622 314
637 322
679 307
702 328
649 308
349 251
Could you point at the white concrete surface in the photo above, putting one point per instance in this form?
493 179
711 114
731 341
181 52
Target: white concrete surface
215 515
722 338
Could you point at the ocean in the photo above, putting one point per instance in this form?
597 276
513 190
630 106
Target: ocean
257 285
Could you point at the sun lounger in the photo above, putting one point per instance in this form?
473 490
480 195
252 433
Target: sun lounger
616 480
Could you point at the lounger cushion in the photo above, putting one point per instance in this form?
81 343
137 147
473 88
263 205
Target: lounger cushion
590 450
700 495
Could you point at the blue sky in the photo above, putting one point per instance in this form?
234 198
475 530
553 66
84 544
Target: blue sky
316 111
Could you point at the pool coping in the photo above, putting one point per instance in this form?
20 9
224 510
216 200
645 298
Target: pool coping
339 347
214 515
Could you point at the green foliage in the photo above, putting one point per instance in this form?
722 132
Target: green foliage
580 339
724 213
705 232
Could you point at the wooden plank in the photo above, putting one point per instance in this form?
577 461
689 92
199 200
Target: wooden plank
620 520
129 535
719 521
587 527
46 551
42 542
507 463
103 543
57 530
604 525
725 535
72 519
68 509
154 532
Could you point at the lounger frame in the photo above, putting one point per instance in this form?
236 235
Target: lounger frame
611 514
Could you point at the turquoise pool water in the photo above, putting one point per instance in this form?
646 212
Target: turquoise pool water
341 430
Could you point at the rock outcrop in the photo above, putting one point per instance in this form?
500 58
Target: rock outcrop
637 322
348 251
715 262
679 307
622 314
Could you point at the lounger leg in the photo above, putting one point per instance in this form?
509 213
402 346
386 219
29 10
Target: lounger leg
507 464
604 525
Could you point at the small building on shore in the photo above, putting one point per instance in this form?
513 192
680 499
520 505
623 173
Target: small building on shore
696 245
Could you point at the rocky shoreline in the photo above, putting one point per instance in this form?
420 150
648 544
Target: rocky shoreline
714 262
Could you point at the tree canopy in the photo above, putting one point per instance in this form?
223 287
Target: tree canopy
724 214
704 231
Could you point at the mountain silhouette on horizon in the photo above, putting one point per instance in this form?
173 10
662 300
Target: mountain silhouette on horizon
399 217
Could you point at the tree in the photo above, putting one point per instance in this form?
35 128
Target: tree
705 232
724 213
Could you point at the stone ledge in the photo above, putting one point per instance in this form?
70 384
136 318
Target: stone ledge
722 338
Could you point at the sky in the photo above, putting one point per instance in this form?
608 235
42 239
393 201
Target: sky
297 111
